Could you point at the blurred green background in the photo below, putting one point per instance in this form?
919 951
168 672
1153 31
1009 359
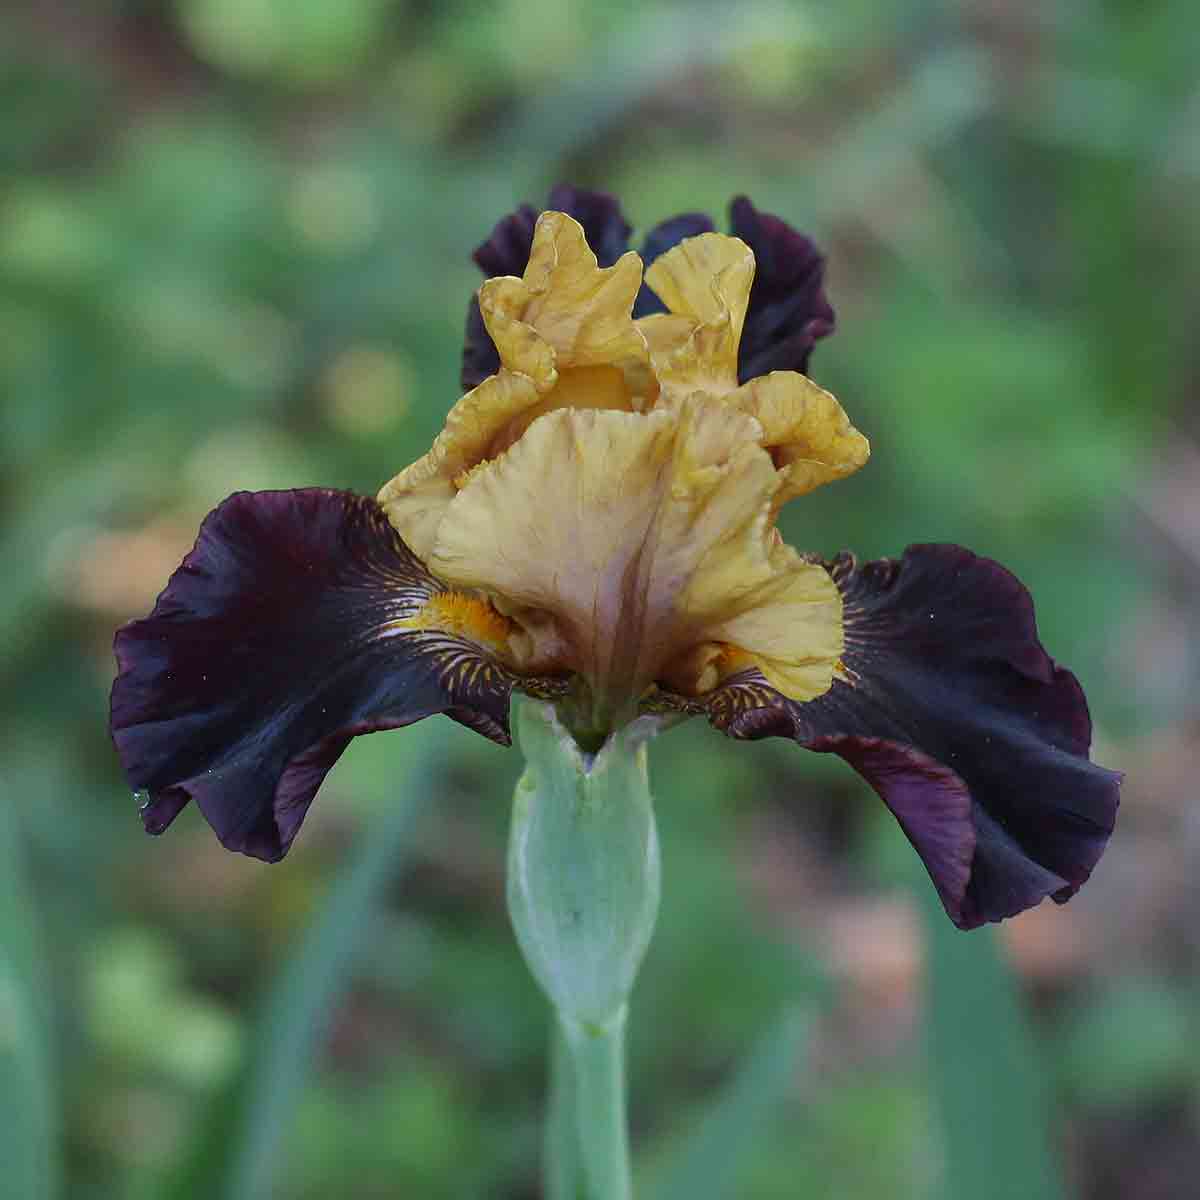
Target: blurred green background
234 253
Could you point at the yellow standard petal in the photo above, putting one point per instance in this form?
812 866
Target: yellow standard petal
806 430
705 284
627 544
416 499
566 340
566 311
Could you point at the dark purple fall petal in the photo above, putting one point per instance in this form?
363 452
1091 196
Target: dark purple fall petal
962 723
788 310
506 252
271 647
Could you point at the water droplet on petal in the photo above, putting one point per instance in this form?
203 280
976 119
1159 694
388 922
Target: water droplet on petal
143 800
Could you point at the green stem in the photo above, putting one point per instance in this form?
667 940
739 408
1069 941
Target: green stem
561 1167
583 888
598 1062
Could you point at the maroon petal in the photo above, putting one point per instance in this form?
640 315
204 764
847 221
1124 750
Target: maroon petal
961 722
506 252
788 310
272 646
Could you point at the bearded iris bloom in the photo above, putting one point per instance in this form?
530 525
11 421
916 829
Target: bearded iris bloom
595 526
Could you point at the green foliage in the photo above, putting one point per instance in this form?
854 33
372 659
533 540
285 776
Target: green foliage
302 41
28 1118
251 1114
1131 1041
711 1161
988 1089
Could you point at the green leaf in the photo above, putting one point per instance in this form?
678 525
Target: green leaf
988 1084
710 1160
27 1109
237 1153
1127 1043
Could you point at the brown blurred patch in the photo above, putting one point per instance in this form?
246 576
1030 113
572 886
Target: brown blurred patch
119 574
1051 943
873 947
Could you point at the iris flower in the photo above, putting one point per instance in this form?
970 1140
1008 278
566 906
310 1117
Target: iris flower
595 525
